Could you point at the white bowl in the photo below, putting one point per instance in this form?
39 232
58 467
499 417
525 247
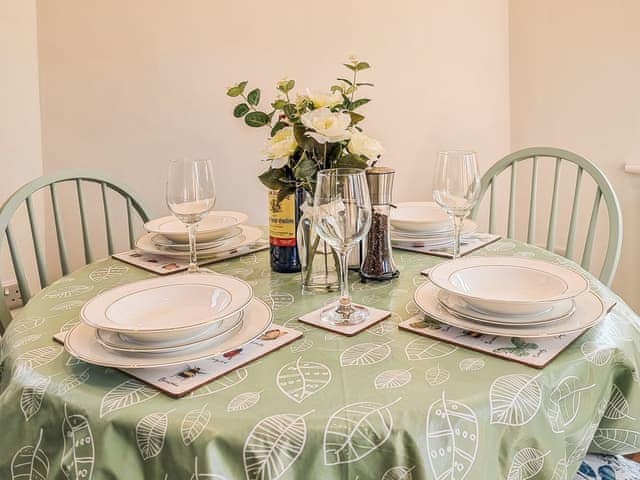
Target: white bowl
507 285
419 217
212 227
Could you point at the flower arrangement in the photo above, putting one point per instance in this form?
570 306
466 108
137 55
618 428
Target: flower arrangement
311 132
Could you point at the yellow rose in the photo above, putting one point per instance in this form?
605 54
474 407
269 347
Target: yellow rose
361 144
281 145
328 126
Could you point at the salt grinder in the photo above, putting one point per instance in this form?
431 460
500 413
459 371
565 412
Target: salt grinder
378 261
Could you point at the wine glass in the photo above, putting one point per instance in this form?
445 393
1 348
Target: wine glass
456 188
342 216
191 194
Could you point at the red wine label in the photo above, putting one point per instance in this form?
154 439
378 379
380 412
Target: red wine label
282 220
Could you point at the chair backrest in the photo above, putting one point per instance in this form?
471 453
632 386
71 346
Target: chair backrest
603 189
24 196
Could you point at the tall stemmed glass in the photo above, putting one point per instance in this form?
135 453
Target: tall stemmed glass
456 187
342 216
191 194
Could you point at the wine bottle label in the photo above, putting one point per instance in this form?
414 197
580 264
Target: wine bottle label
282 220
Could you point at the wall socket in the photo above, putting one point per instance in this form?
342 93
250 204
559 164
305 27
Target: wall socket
11 295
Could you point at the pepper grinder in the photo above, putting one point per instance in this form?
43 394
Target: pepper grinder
378 261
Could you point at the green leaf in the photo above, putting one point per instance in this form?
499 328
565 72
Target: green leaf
273 177
240 110
362 66
350 67
285 191
337 88
279 104
359 102
286 86
237 90
348 82
256 119
305 168
345 101
290 110
277 127
365 84
352 161
254 96
355 118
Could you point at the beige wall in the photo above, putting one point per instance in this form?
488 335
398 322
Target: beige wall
575 80
127 86
20 154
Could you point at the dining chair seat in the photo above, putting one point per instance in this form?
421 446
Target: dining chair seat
52 198
582 166
608 467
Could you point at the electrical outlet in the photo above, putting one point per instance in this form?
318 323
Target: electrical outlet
11 295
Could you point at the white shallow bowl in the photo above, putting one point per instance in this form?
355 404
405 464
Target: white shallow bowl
459 306
153 309
508 285
213 226
248 236
163 242
124 343
419 217
82 343
590 309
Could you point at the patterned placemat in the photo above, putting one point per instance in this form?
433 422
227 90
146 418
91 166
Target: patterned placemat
162 265
313 318
179 380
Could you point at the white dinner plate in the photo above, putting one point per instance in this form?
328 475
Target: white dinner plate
508 285
162 305
248 236
590 309
468 228
164 242
82 343
213 226
123 343
459 306
418 216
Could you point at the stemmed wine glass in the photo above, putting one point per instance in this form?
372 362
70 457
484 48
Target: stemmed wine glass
191 194
342 216
456 187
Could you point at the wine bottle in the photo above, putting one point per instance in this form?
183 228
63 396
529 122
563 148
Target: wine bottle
283 222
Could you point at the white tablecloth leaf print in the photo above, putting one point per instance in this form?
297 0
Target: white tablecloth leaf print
193 424
425 349
201 476
69 292
30 462
243 401
564 402
20 326
392 379
78 455
27 340
67 306
226 381
107 273
302 346
356 430
515 399
526 464
299 380
617 440
618 406
151 431
398 473
367 353
72 381
452 439
596 353
128 393
436 375
560 471
37 357
33 394
273 445
471 364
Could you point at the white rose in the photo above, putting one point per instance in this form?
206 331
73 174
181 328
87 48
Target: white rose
361 144
328 126
323 98
281 145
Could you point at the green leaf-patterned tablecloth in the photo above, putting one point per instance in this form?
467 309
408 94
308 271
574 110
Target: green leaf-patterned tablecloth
374 414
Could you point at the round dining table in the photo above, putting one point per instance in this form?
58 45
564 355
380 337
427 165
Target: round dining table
390 414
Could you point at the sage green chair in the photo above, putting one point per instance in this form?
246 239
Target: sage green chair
24 196
603 190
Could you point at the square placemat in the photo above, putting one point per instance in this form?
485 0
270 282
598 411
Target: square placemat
375 315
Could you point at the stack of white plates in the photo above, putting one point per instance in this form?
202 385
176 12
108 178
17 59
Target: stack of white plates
509 297
424 224
218 232
168 321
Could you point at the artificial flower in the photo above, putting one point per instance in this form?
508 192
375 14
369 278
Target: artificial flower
324 98
281 145
327 126
361 144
